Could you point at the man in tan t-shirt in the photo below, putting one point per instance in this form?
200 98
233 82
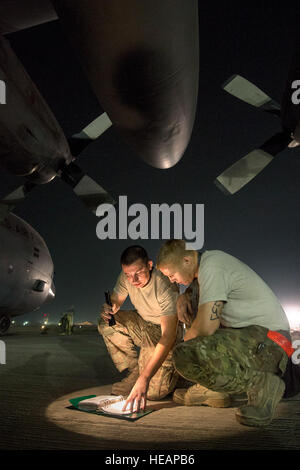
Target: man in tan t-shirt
153 327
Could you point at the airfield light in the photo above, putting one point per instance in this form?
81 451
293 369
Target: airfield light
293 314
51 292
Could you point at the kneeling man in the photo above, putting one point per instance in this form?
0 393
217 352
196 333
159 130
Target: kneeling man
153 327
239 340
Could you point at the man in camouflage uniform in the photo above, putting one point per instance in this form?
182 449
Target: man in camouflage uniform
152 327
238 340
67 322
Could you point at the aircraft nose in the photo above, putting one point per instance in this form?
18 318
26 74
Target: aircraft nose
154 106
160 146
142 60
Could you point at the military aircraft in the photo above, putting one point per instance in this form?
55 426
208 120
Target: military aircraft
141 59
26 270
244 170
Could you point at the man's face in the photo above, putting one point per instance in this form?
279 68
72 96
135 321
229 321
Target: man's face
181 273
138 273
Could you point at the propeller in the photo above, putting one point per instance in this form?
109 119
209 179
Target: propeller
78 142
86 188
249 166
11 200
246 91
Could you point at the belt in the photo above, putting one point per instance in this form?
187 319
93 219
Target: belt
282 341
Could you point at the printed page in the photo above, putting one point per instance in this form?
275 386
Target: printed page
96 403
116 408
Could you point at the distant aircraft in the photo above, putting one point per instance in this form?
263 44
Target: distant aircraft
141 59
26 270
244 170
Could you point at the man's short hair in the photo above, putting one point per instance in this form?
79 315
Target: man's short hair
132 254
171 252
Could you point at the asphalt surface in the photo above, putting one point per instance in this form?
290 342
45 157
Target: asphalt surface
43 371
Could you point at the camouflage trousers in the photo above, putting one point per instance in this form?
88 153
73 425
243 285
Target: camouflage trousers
132 331
231 360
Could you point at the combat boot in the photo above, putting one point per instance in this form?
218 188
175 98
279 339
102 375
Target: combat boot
124 386
183 383
263 398
199 395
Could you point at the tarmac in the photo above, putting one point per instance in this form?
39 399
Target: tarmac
43 371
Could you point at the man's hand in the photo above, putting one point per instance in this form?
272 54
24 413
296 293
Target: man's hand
138 395
108 310
184 309
137 398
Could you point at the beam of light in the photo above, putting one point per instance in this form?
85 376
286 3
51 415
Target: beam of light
51 292
107 429
293 314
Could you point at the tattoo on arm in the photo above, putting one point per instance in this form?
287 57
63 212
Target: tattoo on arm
216 311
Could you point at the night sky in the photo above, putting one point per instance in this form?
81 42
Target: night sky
259 225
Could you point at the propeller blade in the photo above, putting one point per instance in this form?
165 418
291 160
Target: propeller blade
249 166
243 171
246 91
97 127
87 189
8 203
78 142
